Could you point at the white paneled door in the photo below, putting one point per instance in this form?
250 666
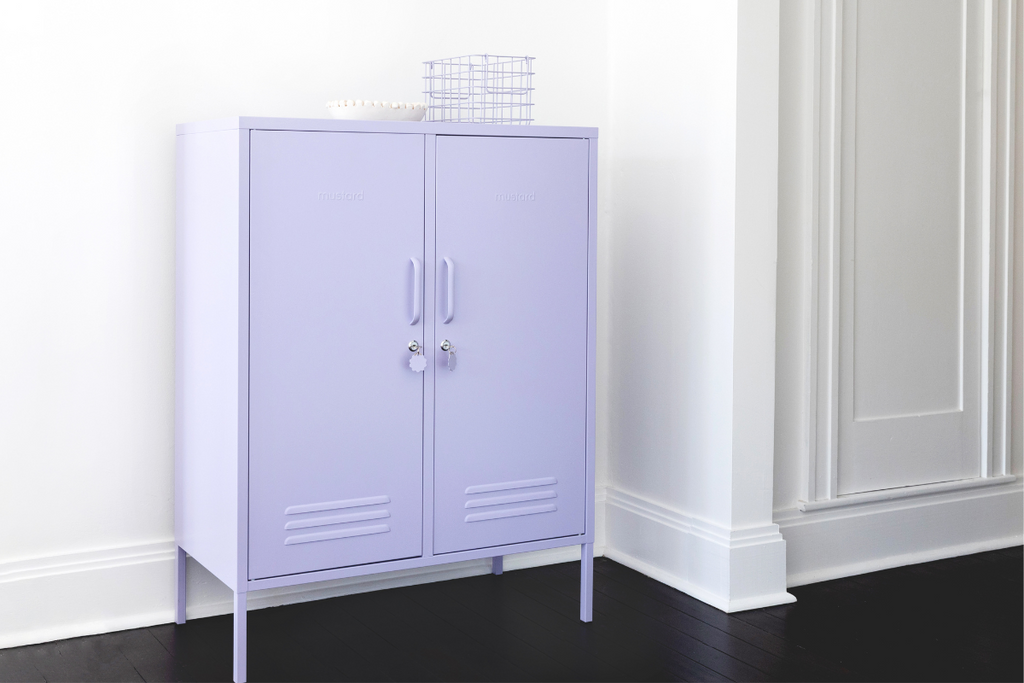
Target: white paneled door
908 251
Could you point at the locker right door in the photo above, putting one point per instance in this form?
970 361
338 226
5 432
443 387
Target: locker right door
510 421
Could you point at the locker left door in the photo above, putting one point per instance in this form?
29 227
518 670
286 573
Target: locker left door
335 412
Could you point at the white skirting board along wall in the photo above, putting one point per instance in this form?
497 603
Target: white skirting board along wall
831 543
100 591
732 570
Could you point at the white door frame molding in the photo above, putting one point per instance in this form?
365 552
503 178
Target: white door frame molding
1001 17
835 43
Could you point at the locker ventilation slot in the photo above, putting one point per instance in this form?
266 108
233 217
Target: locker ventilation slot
508 485
337 519
340 533
510 498
510 512
347 531
514 498
336 505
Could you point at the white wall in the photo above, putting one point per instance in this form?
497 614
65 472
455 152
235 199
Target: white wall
683 94
692 277
672 202
91 94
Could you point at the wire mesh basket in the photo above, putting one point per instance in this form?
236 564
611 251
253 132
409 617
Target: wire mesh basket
479 89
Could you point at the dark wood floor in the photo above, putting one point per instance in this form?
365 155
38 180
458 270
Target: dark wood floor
959 619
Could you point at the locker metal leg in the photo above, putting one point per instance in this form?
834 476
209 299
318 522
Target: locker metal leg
240 638
497 565
587 582
179 586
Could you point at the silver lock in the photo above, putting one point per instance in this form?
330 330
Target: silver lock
414 346
445 345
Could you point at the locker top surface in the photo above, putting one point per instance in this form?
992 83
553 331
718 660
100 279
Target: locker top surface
417 127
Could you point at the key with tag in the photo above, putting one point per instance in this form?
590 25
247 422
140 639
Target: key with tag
417 362
450 348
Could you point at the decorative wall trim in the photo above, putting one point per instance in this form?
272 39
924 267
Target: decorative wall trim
821 470
833 99
1003 17
731 569
93 560
62 596
830 543
906 492
132 586
680 521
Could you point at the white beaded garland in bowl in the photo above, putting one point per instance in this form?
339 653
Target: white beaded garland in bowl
372 110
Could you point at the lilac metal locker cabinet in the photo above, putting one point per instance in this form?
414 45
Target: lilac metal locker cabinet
315 259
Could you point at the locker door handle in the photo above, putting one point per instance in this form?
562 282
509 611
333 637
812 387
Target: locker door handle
450 307
417 290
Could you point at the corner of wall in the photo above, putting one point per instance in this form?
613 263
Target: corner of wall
731 569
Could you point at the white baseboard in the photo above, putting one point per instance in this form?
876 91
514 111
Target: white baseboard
834 542
732 570
82 593
79 594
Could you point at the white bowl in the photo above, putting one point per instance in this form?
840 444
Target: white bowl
380 111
